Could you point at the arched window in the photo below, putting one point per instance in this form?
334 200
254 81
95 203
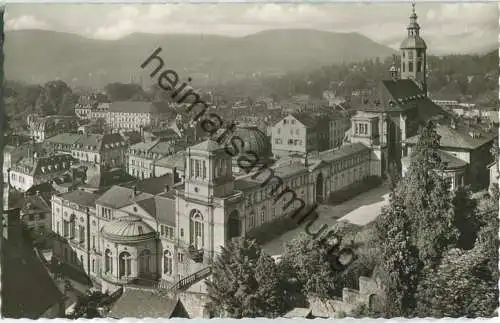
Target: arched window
196 232
125 264
167 262
145 259
108 262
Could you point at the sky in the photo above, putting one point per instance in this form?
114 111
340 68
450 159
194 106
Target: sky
446 27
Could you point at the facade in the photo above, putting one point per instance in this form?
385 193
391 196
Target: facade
107 151
141 157
33 170
157 232
42 128
135 115
73 218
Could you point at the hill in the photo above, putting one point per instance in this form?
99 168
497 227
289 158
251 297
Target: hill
36 56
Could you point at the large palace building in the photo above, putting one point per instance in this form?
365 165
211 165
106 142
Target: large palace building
157 233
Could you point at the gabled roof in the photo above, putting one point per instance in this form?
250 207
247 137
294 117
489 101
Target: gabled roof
64 138
136 303
450 161
177 160
35 203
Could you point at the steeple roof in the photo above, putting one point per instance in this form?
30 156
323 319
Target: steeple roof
413 40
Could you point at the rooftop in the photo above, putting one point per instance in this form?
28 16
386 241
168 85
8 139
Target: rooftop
343 151
135 303
81 198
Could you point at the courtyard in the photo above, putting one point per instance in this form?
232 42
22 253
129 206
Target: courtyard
359 210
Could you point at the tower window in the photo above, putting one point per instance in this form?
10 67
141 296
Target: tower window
410 55
410 67
419 66
404 67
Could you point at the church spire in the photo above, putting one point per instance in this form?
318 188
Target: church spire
413 28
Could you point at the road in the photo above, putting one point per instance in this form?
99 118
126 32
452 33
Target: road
359 210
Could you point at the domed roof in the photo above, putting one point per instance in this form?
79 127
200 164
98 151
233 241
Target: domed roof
255 140
413 42
128 229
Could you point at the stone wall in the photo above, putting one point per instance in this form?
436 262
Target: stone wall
369 289
195 304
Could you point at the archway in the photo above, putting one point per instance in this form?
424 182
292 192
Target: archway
233 225
319 188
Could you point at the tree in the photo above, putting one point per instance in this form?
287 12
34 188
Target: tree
245 282
309 262
55 97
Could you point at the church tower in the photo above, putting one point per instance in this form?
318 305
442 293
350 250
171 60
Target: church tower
413 54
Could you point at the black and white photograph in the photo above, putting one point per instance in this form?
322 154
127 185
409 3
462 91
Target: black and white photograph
250 160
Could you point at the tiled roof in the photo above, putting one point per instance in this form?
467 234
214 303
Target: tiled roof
460 136
33 166
149 205
98 142
128 229
36 203
64 138
162 148
81 198
152 185
117 197
306 119
135 303
450 161
343 151
176 160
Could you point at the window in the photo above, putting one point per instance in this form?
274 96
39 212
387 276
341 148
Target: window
93 242
290 141
65 228
285 121
171 233
278 131
404 65
196 229
410 55
204 170
252 220
410 67
93 265
167 262
81 234
108 262
125 264
182 232
263 215
180 257
419 66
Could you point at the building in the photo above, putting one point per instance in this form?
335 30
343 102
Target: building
108 150
36 212
142 156
135 115
467 143
298 134
33 170
174 165
73 219
62 143
42 128
85 105
157 233
494 174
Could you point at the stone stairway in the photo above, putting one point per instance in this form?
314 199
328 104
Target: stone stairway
185 282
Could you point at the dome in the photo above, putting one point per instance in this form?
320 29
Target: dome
128 229
413 42
255 140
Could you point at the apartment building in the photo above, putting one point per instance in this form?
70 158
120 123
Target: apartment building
135 115
108 150
143 155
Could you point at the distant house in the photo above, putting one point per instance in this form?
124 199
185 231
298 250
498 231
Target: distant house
141 157
134 115
108 150
34 170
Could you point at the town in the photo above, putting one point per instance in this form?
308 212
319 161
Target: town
122 203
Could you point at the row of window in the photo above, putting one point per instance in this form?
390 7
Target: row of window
361 128
410 67
19 178
292 131
167 232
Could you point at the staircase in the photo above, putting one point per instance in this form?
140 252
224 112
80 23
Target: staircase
187 281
